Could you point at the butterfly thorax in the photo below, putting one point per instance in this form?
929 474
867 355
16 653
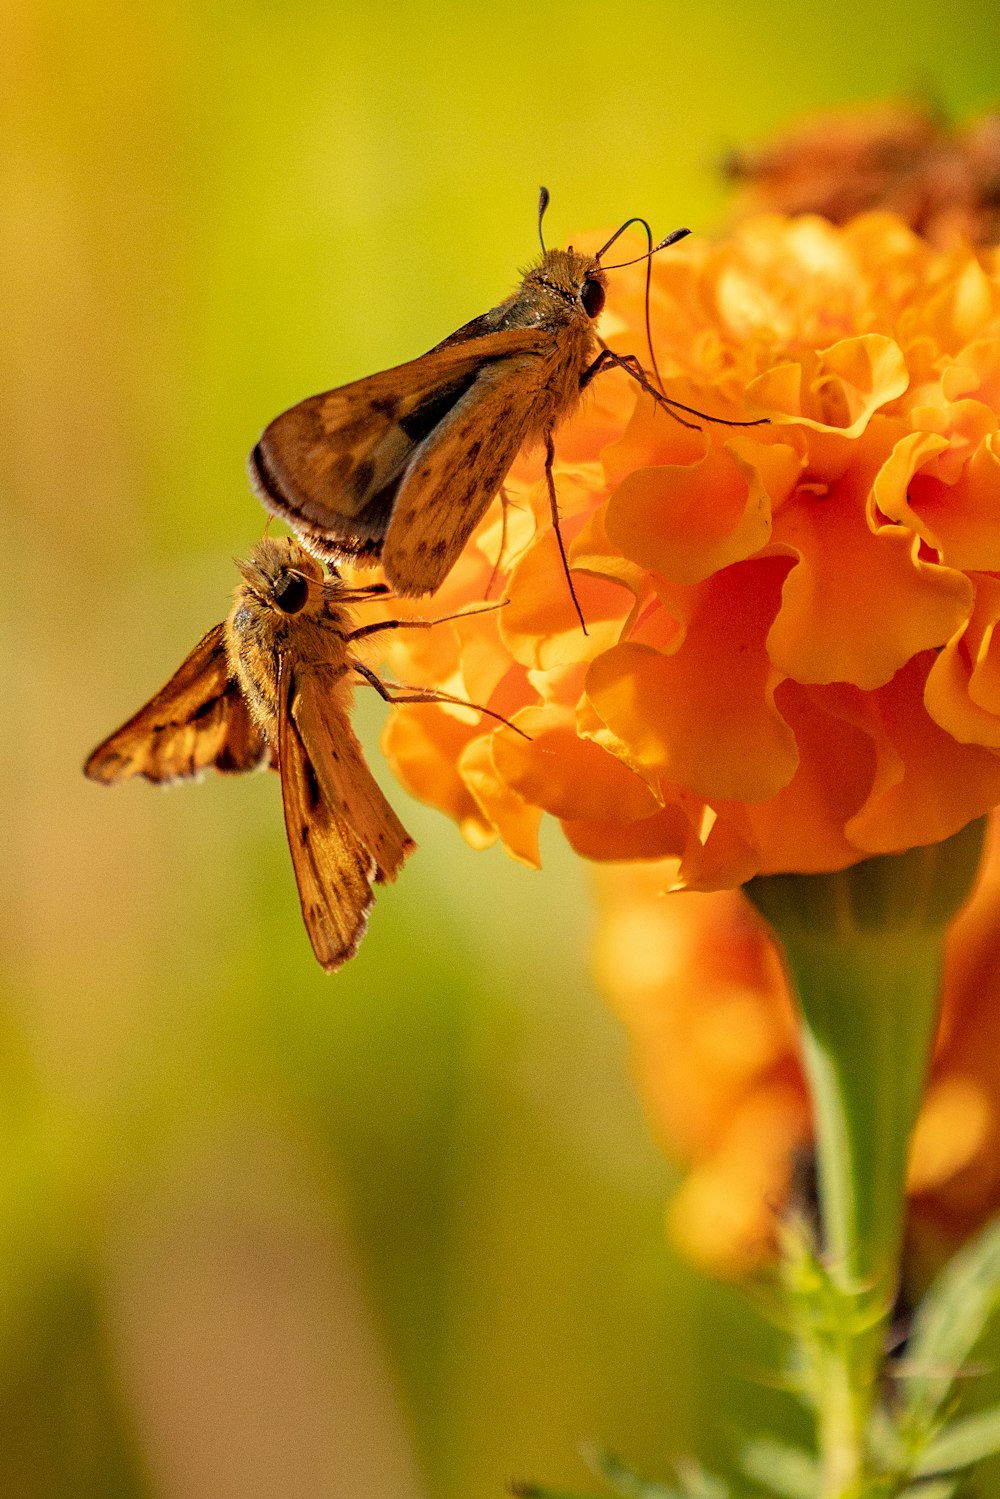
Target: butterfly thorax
284 616
552 295
562 294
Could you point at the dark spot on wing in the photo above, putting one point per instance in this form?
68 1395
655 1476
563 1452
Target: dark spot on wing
374 516
203 710
361 479
421 422
312 785
340 471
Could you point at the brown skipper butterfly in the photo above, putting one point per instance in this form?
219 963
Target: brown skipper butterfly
403 464
272 684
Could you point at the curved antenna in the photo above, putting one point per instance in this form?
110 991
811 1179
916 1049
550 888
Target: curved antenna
543 203
621 230
668 239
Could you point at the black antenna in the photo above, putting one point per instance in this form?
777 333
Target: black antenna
543 203
669 239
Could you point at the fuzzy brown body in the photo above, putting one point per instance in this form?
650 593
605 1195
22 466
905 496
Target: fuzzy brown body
403 464
274 682
262 640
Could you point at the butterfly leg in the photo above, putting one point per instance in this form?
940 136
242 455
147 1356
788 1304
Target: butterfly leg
364 593
550 456
419 624
631 364
395 692
504 502
608 359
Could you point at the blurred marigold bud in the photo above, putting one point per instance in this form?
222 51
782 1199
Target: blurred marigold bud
943 181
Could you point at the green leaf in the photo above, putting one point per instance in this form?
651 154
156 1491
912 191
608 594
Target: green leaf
536 1491
948 1324
886 1448
790 1472
962 1443
698 1483
624 1482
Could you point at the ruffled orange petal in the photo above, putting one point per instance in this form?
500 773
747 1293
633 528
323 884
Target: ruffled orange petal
539 625
926 785
423 746
649 439
515 820
570 777
704 716
688 522
975 371
830 396
803 827
857 606
963 519
957 312
963 685
667 835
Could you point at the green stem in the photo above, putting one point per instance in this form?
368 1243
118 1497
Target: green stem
864 949
869 1013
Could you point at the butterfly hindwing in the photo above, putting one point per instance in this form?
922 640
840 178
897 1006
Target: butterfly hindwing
344 774
325 786
199 719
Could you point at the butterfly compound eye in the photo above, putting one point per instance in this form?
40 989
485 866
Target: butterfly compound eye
290 592
592 297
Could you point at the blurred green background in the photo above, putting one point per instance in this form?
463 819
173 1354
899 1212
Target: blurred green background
264 1232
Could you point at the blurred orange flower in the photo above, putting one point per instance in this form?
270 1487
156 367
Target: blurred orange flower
790 659
698 984
942 180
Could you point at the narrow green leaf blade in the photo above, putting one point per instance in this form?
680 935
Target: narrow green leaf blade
948 1324
528 1490
789 1472
698 1483
626 1483
962 1443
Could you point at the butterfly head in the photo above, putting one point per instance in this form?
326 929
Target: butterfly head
570 278
282 575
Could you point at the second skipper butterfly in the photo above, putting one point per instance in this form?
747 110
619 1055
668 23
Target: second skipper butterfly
273 683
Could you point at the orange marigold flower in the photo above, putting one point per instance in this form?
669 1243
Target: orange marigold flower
698 984
790 659
903 157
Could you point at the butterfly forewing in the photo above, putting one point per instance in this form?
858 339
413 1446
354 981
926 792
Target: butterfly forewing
199 719
332 465
453 477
